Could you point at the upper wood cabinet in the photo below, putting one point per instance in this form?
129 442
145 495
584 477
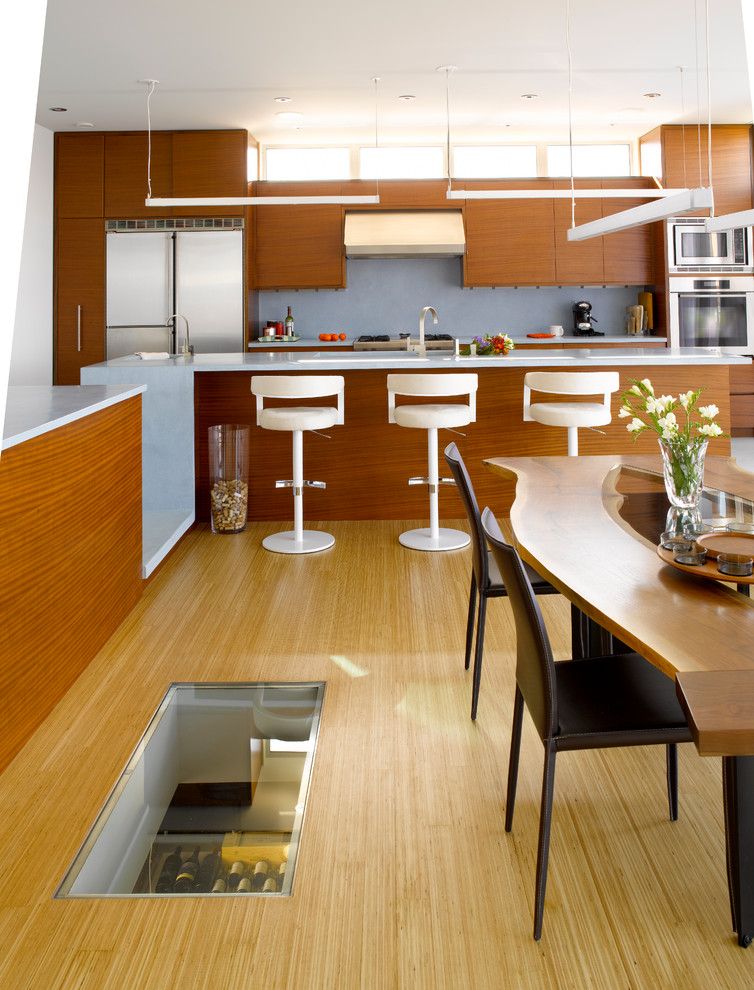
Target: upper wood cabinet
79 297
126 173
509 241
210 163
680 151
628 254
578 262
79 175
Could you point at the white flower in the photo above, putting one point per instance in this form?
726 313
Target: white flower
668 420
624 412
648 385
685 399
635 425
708 412
710 430
653 405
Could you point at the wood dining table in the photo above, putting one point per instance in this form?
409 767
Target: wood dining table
591 526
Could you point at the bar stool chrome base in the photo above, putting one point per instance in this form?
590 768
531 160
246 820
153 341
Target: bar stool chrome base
311 542
446 539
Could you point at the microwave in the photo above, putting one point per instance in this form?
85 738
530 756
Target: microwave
692 249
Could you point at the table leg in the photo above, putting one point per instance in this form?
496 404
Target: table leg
738 798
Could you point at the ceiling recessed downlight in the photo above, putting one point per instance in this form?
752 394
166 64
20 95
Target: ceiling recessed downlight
407 98
59 109
530 96
651 96
285 116
84 123
282 99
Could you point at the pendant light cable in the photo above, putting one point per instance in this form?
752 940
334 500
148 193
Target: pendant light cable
447 119
375 83
683 126
709 102
570 108
151 86
698 97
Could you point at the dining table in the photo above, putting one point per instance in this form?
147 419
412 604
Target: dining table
591 526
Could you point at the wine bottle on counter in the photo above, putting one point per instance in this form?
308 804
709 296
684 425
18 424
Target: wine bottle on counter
237 870
289 324
270 887
184 882
220 885
261 871
208 870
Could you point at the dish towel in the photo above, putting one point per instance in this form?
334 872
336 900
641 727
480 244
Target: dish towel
152 355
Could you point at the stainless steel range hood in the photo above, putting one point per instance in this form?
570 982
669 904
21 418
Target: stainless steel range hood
404 234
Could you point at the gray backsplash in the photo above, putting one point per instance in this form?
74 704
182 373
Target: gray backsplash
386 296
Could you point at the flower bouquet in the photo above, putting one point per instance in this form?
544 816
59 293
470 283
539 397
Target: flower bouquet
683 444
498 344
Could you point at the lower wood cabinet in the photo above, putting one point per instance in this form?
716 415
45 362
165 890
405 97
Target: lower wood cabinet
79 297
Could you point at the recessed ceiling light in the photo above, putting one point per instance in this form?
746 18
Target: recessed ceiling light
407 98
446 68
59 109
282 99
288 116
530 96
652 96
84 123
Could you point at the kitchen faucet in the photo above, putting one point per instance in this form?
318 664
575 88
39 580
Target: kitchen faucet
421 347
188 347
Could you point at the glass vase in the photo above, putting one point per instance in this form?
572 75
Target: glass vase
228 476
683 471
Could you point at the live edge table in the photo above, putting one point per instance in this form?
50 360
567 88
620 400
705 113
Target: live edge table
590 525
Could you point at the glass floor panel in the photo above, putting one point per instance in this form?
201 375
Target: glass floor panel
212 800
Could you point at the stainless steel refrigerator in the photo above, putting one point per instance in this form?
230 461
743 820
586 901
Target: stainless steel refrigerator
153 274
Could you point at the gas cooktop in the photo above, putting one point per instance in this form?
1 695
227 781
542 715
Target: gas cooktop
388 342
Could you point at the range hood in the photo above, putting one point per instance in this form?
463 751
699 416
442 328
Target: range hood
404 234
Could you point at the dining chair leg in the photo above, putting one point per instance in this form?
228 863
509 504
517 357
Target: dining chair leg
543 848
518 717
481 618
470 620
671 761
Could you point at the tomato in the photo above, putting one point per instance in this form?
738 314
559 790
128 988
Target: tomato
324 336
342 336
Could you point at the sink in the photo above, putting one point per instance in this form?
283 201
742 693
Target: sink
360 357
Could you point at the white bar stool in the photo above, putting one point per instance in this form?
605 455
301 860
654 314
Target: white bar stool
296 419
570 415
431 417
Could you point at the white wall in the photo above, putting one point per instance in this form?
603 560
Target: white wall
31 356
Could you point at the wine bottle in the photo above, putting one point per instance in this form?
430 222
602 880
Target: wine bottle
281 874
169 871
270 887
244 885
237 870
221 884
289 323
184 882
208 870
260 874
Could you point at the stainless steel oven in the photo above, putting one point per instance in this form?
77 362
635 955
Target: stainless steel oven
692 249
712 312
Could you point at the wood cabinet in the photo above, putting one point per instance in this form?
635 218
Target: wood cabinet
79 297
298 247
210 163
79 175
509 241
683 160
578 262
742 400
126 174
628 254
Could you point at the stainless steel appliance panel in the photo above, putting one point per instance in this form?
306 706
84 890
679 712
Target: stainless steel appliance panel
128 340
209 289
690 248
712 313
139 288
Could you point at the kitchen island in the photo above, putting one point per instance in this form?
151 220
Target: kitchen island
367 462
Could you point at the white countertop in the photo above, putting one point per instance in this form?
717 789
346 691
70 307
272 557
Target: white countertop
32 410
617 338
361 360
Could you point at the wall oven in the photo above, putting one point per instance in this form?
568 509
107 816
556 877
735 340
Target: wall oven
712 312
691 249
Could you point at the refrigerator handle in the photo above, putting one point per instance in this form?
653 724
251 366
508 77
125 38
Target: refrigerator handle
78 328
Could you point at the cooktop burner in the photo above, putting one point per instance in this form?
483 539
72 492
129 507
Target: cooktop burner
384 338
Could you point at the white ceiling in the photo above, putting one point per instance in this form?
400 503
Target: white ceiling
221 64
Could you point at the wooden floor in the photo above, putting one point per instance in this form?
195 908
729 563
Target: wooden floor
405 876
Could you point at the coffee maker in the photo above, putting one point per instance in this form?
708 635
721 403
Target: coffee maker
583 320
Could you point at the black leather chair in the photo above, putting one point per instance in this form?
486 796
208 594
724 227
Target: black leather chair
485 576
595 703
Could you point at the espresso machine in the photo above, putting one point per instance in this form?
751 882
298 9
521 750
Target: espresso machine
583 320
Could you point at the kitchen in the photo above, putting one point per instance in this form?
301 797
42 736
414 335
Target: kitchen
191 717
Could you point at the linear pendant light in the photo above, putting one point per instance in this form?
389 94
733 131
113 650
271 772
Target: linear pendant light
165 201
563 193
744 218
637 216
